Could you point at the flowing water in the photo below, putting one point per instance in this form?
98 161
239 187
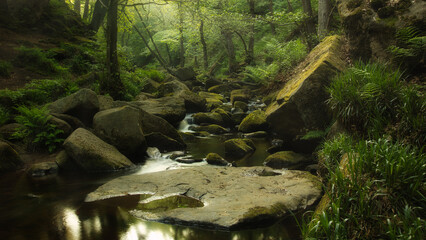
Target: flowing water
54 208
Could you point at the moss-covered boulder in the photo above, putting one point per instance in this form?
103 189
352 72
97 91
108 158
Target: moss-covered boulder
212 128
238 147
216 159
226 116
9 158
83 105
92 154
220 89
286 159
163 142
241 105
209 95
242 95
209 118
255 121
169 88
193 101
122 128
300 104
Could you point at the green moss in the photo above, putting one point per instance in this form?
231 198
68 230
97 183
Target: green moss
255 121
169 203
278 209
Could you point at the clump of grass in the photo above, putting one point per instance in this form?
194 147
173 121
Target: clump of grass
38 61
5 67
381 194
372 99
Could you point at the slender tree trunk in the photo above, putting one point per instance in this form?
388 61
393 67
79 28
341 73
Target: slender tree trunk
77 6
250 49
4 12
113 84
203 42
86 9
271 11
99 14
243 42
230 49
181 40
169 54
290 8
324 10
309 23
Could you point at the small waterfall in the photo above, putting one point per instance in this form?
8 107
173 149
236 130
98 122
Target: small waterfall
186 123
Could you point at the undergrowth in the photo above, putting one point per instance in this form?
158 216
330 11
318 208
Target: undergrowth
36 129
5 68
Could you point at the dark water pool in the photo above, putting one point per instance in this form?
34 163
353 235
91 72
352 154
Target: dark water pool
54 208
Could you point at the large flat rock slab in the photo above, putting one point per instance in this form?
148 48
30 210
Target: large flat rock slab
231 197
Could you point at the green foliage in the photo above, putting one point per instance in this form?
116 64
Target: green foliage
379 194
410 49
315 134
36 130
4 116
365 96
5 67
38 61
260 74
133 83
39 92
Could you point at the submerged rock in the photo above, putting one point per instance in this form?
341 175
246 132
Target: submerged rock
212 128
94 155
9 158
220 197
238 147
286 159
216 159
43 169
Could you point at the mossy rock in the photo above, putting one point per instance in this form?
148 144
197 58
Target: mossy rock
238 147
211 118
216 159
9 158
255 121
242 95
241 105
220 89
169 203
226 116
286 159
210 95
213 129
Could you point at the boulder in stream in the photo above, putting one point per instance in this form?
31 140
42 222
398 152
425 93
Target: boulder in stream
172 109
94 155
238 147
216 159
224 198
122 128
286 159
255 121
9 158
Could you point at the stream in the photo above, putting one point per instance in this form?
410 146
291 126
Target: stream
54 207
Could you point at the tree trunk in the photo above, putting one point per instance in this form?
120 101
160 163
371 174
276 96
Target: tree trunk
250 49
230 49
290 8
203 42
99 14
86 9
309 22
112 84
4 12
271 11
324 10
181 40
77 6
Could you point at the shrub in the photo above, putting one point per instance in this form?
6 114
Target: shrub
5 67
133 84
36 131
285 55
